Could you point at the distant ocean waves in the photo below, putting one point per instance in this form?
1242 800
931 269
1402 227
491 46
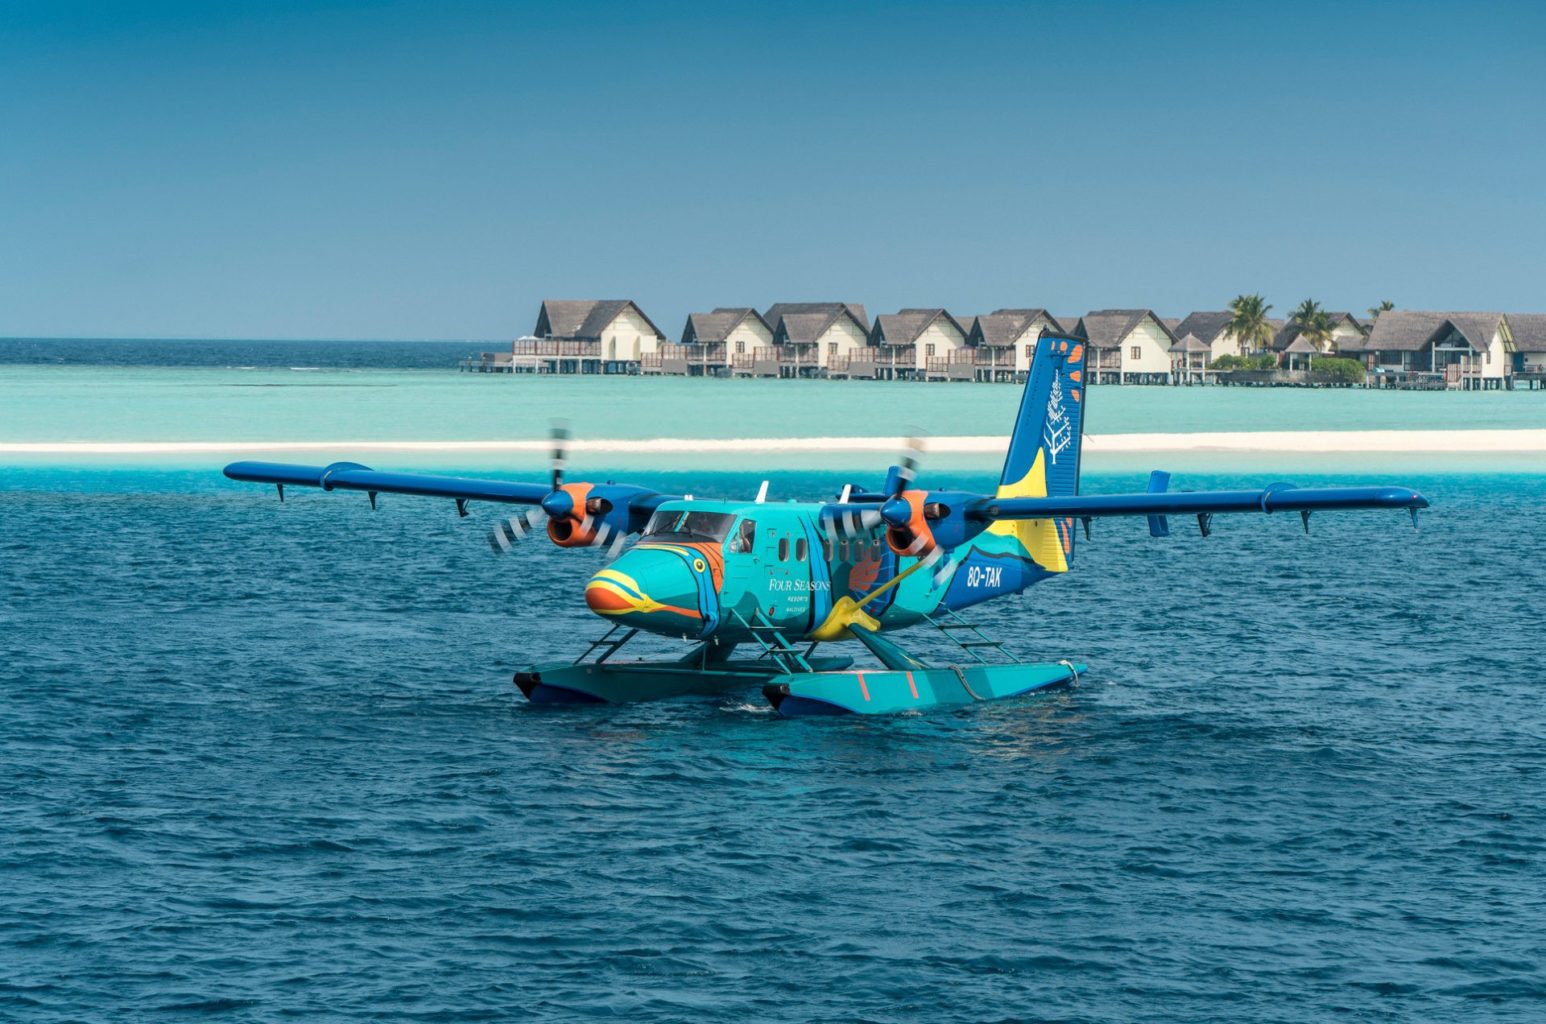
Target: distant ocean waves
237 355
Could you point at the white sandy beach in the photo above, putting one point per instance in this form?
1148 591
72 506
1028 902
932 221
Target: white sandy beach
1295 442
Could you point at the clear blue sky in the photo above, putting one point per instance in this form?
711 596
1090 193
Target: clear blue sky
433 170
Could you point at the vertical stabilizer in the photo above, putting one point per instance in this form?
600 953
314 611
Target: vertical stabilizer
1044 448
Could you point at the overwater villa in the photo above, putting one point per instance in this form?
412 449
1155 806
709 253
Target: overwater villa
586 336
1346 329
910 344
1529 331
1003 341
1127 346
1399 348
1189 359
711 342
1464 351
808 339
1212 327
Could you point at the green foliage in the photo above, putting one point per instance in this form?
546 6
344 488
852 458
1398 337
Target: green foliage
1385 306
1338 372
1314 324
1259 361
1248 321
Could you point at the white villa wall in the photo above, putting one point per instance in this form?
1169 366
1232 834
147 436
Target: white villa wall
627 337
1153 348
1223 344
942 334
846 335
1344 333
1496 361
751 334
1025 344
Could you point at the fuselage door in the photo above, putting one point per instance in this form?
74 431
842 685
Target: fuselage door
743 567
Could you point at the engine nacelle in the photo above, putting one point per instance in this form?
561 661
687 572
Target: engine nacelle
581 514
918 523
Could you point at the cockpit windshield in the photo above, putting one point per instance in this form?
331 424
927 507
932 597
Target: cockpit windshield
712 526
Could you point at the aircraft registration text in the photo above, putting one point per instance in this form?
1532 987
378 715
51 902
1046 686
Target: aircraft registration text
984 575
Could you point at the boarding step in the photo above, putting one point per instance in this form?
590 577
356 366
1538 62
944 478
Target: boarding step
948 622
775 646
610 641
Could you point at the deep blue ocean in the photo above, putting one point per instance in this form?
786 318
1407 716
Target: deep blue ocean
264 762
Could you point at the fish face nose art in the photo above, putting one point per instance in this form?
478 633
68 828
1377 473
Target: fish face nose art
652 590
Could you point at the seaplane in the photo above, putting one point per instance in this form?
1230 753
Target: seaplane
762 594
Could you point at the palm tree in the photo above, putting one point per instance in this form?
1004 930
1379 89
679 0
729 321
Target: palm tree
1384 306
1248 322
1314 324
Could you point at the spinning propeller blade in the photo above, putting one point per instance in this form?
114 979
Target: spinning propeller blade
509 532
907 464
558 432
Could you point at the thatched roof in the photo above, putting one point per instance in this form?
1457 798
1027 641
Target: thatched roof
1191 343
1207 326
1288 331
1407 330
1529 331
1301 346
906 325
1109 328
583 319
707 328
1004 327
804 322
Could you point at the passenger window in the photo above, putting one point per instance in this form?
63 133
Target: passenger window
800 550
745 536
826 548
783 549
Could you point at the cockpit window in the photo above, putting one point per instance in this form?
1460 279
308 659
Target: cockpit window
745 537
710 526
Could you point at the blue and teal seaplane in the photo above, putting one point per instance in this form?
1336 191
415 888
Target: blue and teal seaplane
757 589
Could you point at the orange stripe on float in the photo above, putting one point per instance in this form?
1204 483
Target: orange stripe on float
862 688
911 687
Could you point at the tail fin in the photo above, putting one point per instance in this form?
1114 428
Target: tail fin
1051 419
1043 457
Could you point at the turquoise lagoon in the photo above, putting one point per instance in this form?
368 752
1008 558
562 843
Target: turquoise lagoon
268 405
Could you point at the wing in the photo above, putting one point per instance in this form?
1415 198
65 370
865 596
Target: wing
1157 504
1278 498
351 476
578 514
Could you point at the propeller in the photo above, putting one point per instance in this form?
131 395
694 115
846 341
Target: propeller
905 510
851 524
924 524
577 514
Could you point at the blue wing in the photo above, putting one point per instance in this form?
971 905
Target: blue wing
1278 498
351 476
